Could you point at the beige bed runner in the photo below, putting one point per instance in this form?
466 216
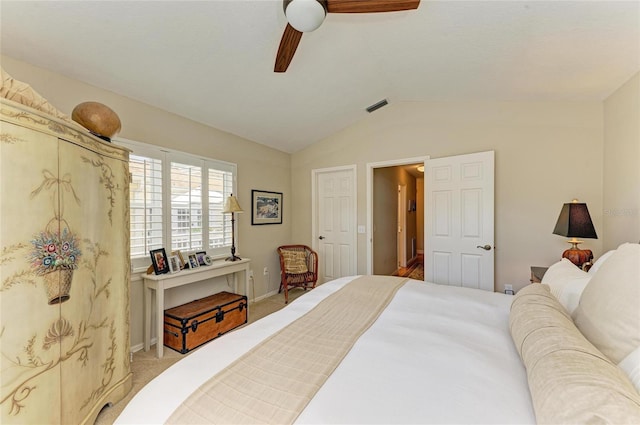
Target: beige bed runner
274 381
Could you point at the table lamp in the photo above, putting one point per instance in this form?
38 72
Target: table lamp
575 222
232 206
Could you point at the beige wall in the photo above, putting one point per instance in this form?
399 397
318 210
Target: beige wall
546 154
259 167
621 159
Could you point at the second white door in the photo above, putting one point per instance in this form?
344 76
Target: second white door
459 220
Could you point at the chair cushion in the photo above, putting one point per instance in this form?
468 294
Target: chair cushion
294 261
301 279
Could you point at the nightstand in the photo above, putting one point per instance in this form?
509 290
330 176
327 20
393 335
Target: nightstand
537 273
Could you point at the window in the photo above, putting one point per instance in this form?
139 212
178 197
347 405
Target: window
186 206
145 204
177 201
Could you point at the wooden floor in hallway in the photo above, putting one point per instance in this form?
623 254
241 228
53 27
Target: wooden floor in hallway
406 271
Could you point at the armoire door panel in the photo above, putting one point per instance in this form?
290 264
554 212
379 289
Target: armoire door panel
64 275
99 187
30 355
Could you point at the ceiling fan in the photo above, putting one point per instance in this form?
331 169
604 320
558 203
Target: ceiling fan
307 15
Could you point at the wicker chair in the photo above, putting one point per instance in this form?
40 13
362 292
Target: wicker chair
298 268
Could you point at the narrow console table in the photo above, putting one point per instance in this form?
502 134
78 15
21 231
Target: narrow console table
160 283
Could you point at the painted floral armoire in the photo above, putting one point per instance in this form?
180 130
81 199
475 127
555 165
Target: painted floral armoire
64 270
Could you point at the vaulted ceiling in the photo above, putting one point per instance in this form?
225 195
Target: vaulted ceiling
212 61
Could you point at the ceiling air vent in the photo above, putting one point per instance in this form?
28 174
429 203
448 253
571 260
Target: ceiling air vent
378 105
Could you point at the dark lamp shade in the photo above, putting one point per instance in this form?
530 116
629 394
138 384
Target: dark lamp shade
575 222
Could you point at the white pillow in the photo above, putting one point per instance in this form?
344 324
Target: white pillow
566 282
600 261
608 313
631 366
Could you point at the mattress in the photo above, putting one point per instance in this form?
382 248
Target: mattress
437 354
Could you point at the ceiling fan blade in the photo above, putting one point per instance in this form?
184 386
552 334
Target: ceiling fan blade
288 45
370 6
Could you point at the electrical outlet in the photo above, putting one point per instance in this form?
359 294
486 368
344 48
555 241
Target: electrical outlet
508 289
265 271
250 274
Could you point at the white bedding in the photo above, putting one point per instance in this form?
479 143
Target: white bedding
437 354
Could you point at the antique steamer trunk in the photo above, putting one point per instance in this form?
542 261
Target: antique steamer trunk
190 325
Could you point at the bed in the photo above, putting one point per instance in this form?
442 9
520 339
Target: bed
444 354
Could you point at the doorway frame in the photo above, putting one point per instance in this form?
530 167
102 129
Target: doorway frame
371 166
401 243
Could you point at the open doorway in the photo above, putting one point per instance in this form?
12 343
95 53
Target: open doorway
395 216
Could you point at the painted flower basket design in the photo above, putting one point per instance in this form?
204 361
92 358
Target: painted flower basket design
55 256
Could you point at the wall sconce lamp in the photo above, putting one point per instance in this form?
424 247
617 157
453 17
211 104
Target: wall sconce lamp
232 206
575 222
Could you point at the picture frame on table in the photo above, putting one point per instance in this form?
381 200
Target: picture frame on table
193 261
174 264
178 253
159 260
266 207
201 258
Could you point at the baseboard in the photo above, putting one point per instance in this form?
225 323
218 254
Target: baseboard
140 347
267 295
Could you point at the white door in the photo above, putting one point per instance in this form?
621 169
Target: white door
334 222
459 225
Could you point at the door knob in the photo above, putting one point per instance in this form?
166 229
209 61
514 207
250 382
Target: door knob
321 237
486 247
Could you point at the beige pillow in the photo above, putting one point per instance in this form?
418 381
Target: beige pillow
569 379
609 310
566 282
295 262
600 261
631 366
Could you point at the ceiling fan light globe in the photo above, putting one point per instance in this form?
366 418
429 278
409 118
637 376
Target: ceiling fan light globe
305 15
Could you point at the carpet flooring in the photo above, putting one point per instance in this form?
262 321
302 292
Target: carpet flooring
146 366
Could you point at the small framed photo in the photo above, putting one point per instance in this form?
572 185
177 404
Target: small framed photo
180 258
174 264
266 207
201 256
159 260
193 261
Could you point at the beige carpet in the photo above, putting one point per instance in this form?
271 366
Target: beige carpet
146 366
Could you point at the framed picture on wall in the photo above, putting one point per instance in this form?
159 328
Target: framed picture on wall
266 207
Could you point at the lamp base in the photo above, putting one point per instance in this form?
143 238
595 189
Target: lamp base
236 258
578 256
